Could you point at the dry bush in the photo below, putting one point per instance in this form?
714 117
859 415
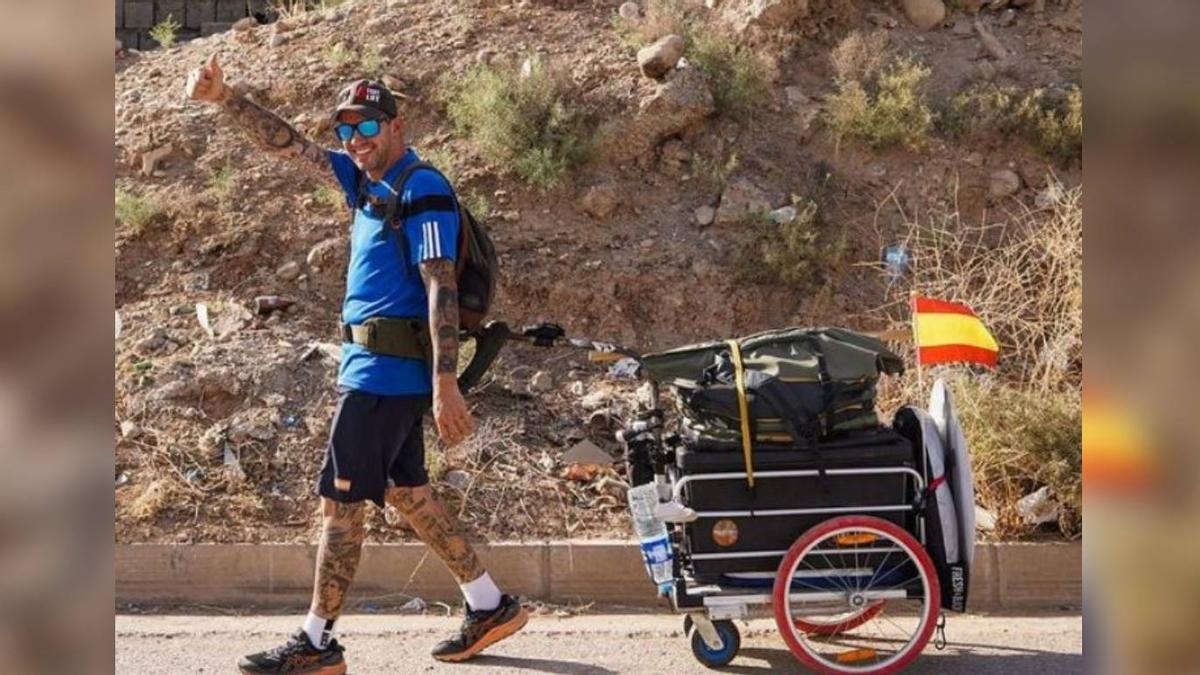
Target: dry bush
1054 123
529 118
659 19
136 213
888 110
157 496
1024 278
1023 275
737 73
860 56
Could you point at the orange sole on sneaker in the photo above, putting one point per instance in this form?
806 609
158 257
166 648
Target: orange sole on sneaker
339 669
490 638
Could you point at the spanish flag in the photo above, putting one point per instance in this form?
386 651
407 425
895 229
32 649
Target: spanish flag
947 332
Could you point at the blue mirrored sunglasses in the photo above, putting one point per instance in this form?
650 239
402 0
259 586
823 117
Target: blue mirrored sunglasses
366 129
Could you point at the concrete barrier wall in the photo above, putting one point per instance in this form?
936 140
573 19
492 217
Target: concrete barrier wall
135 18
1006 577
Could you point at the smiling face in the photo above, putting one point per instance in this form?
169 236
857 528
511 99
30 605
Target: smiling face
374 155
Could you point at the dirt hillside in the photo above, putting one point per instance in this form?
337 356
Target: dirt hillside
219 434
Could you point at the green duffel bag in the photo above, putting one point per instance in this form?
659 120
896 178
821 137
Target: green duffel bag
800 384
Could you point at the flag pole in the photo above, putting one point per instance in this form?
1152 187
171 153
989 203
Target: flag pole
912 305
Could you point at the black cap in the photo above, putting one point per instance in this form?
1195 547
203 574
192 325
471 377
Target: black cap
368 98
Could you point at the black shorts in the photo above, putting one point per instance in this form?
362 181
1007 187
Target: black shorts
376 442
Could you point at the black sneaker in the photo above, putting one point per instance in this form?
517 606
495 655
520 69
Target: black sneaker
482 629
297 655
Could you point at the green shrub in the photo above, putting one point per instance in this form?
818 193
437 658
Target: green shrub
222 183
444 159
737 74
339 55
529 121
477 204
889 110
329 197
1054 126
136 213
714 172
164 33
797 254
659 19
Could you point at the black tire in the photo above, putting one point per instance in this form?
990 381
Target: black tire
731 638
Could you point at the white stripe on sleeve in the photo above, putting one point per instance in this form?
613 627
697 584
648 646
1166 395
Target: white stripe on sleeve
437 239
425 241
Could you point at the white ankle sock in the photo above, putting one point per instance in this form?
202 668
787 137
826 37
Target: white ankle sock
319 631
482 593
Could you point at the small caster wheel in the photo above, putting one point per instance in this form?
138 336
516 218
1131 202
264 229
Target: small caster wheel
731 641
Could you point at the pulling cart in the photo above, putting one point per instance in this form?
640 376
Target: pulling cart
782 495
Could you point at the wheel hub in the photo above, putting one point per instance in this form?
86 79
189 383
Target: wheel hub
858 600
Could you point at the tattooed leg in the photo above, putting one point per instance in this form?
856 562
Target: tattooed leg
438 529
338 556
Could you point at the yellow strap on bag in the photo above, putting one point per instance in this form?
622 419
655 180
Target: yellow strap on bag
739 379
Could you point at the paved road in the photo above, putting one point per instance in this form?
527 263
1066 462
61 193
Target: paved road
593 644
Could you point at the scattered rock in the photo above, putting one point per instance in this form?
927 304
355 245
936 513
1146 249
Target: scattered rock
741 199
577 388
288 271
783 215
1008 17
596 399
484 56
629 11
1004 183
329 254
795 96
990 44
984 520
151 158
277 39
246 24
658 59
705 216
599 201
586 452
253 424
882 20
541 381
673 157
151 343
681 102
457 479
233 317
925 14
764 14
130 430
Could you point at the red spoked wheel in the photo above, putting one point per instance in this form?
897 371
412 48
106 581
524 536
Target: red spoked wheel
841 623
869 570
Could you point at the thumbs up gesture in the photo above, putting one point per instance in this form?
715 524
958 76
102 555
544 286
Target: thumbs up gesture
207 83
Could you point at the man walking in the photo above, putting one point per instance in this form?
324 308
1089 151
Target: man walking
399 357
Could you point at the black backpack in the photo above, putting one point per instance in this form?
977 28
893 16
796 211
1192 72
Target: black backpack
477 264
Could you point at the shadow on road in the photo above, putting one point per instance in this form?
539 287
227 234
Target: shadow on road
540 665
961 659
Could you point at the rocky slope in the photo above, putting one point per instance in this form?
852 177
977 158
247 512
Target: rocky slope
220 429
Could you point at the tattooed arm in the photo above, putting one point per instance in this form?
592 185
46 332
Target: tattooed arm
449 409
269 131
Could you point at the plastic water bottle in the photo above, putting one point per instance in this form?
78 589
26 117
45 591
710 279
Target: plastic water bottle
652 534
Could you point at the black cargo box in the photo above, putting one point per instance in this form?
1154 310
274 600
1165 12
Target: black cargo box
881 449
